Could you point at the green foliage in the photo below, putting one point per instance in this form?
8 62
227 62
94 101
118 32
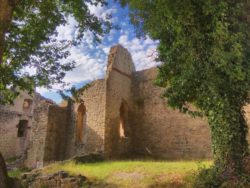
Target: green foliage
204 47
31 43
75 93
216 177
208 178
16 173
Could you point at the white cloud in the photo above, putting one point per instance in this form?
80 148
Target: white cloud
67 32
102 12
91 59
106 50
142 51
41 90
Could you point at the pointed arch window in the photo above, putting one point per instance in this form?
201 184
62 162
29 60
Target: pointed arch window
81 123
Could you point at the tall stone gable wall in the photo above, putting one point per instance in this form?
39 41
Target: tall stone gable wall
118 90
160 131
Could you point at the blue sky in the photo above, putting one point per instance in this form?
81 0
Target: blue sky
91 59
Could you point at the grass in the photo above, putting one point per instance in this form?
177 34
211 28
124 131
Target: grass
139 174
16 173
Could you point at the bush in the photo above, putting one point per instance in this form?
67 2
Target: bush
215 177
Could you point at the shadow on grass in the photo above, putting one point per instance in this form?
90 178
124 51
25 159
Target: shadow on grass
104 184
167 185
99 184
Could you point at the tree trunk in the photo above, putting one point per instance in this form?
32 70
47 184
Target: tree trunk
3 173
230 144
6 12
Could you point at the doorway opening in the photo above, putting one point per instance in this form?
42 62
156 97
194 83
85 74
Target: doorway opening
22 128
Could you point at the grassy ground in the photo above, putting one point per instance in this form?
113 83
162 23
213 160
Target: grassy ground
133 174
16 173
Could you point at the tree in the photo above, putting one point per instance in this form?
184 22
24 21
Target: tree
28 40
204 47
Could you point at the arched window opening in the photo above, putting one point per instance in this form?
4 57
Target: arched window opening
27 104
22 128
81 123
122 128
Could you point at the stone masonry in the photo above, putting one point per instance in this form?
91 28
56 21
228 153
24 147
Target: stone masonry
120 116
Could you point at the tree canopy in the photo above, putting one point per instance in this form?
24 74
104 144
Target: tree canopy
204 47
28 39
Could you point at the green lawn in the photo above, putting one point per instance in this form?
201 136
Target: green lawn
136 174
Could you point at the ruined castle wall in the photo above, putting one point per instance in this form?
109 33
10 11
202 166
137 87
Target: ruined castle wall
162 132
12 144
56 133
36 148
20 106
118 94
70 150
89 137
49 133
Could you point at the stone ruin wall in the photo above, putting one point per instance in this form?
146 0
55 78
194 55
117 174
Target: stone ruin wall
93 99
153 128
48 139
10 144
161 132
102 101
118 93
54 128
35 154
126 97
56 133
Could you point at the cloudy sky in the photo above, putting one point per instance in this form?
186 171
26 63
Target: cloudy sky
91 59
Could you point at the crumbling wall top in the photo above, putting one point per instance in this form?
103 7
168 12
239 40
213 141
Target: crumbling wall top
144 75
120 60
